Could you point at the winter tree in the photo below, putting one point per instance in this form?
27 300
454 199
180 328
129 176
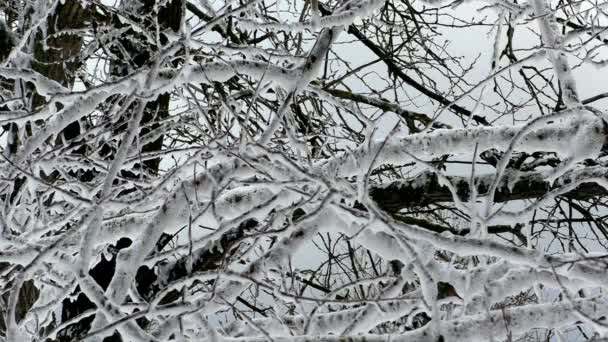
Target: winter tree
303 170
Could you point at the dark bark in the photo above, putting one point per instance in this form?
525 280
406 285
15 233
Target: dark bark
203 259
102 273
140 54
425 190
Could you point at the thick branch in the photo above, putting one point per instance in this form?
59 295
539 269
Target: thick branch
577 139
426 189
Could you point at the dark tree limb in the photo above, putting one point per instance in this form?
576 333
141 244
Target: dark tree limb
437 228
426 189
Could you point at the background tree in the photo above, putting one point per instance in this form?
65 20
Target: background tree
302 170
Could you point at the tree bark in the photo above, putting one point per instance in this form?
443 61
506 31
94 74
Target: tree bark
426 188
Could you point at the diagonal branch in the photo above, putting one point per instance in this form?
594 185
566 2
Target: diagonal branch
395 69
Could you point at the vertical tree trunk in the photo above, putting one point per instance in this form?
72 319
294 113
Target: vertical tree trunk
138 54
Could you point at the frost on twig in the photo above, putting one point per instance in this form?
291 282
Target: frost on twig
301 171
